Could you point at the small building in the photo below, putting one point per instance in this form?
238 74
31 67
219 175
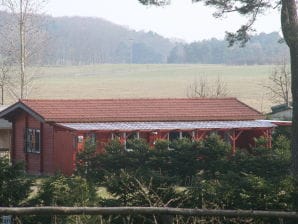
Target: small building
5 135
47 134
281 112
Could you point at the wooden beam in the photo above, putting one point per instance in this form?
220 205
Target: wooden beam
234 136
21 211
166 136
180 135
124 139
268 136
41 148
13 145
200 135
25 147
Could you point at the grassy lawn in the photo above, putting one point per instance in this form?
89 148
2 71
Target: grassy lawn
145 81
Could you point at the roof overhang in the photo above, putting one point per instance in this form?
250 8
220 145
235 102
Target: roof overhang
149 126
11 110
279 123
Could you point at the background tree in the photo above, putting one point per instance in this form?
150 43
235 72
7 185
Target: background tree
24 37
280 84
289 23
5 67
204 88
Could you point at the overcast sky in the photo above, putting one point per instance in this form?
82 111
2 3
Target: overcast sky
181 19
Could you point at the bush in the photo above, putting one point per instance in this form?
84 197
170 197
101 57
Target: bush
161 145
14 184
114 146
85 160
60 190
138 145
182 144
257 180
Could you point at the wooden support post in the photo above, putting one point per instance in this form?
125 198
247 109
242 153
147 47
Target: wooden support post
124 140
13 145
180 135
193 136
74 155
234 136
200 135
25 145
138 135
41 149
268 136
166 136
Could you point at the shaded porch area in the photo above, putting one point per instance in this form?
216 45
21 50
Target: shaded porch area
240 134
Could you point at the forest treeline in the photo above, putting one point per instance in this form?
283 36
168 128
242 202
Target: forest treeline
79 40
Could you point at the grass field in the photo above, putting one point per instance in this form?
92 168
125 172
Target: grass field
145 81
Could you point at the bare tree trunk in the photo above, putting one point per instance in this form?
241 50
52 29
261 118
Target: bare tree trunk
2 95
26 41
22 48
289 23
294 68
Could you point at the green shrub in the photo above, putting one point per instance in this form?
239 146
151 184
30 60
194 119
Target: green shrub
161 145
138 145
114 146
14 184
181 144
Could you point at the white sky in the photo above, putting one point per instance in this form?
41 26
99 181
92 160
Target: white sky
181 19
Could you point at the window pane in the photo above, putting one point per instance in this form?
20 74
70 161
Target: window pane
37 141
32 140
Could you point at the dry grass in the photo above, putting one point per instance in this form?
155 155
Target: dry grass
145 81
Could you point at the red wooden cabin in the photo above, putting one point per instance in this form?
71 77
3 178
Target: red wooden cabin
47 134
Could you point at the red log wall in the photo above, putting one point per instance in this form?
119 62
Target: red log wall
64 151
54 155
59 146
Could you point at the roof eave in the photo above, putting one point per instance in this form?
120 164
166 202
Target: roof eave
20 105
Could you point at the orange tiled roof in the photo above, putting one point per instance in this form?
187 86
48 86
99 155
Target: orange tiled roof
109 110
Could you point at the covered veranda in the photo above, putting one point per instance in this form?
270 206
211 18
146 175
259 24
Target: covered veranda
240 134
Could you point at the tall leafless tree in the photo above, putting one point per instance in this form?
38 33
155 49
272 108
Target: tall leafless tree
279 86
24 37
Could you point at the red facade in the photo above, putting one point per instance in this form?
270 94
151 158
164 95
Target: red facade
57 149
51 146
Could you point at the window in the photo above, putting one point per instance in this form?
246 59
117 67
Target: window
80 139
32 140
92 137
174 135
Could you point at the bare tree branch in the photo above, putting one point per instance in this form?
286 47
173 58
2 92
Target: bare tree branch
203 88
24 39
279 87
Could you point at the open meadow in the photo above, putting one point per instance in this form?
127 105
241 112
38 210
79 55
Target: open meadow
145 81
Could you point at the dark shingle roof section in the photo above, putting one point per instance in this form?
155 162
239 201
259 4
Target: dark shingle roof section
121 110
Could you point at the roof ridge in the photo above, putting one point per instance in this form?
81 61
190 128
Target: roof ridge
117 99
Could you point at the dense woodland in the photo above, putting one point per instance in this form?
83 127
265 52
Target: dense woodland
261 49
78 40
